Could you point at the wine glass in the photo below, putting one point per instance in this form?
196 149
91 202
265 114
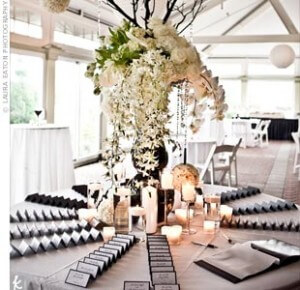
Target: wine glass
38 112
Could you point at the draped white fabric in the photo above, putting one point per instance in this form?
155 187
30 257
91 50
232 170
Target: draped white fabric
41 160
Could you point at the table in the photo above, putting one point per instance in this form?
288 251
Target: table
49 270
41 160
281 129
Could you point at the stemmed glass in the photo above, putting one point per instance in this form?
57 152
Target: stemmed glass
38 112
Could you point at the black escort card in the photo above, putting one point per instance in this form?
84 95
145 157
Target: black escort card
158 247
136 285
110 251
119 244
108 255
160 258
167 287
161 264
100 258
127 241
114 247
98 263
78 278
162 269
164 278
88 268
160 254
130 237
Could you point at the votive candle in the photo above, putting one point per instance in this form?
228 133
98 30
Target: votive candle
167 180
226 211
188 192
173 233
108 233
209 226
180 214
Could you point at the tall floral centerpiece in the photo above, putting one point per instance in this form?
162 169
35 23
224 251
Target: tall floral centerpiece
135 70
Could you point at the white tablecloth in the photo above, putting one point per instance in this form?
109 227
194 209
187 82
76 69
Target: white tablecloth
41 160
48 270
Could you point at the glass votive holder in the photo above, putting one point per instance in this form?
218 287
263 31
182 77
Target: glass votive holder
108 233
226 212
173 234
212 205
180 215
209 227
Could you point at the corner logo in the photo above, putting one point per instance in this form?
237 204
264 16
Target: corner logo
17 283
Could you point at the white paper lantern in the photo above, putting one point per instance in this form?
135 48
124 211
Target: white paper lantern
282 56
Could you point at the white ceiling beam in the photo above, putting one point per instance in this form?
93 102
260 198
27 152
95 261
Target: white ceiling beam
208 5
246 38
249 16
284 17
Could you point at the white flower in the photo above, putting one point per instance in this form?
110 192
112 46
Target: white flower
178 55
110 76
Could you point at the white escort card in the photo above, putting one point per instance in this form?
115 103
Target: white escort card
164 278
136 285
78 278
167 287
98 263
100 258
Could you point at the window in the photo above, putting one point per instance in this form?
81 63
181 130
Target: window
27 74
271 96
233 93
77 107
265 69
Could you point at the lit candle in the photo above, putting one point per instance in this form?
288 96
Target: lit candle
173 234
199 202
108 233
188 192
167 180
226 211
180 214
123 191
209 226
87 214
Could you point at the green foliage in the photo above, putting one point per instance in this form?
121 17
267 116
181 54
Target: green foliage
23 101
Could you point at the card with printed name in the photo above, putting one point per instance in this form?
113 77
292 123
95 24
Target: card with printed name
167 287
136 285
163 278
88 268
78 278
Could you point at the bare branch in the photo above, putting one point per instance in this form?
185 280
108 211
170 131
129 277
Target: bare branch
147 12
153 8
135 7
115 6
170 7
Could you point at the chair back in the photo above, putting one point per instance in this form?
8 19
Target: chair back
207 162
198 151
296 138
228 149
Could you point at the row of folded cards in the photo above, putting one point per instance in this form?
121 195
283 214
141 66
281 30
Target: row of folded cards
293 226
29 230
97 262
54 242
240 193
162 271
58 201
264 207
43 215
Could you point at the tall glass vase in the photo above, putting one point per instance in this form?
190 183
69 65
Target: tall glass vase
121 210
149 203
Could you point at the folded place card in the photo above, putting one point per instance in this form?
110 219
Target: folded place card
164 278
74 225
161 264
38 216
160 254
114 252
67 240
21 217
119 249
15 232
108 255
35 245
167 287
127 241
95 235
162 269
46 244
130 237
84 225
56 241
72 214
78 278
24 249
63 227
14 218
14 252
136 285
52 228
42 229
103 258
85 235
88 268
99 263
161 258
95 223
120 244
76 238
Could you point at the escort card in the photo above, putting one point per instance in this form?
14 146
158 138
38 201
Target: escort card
85 235
56 241
88 268
67 240
162 269
24 249
167 287
157 243
122 241
34 232
52 228
120 244
169 258
72 213
63 227
24 231
114 247
14 252
13 218
164 278
38 216
99 263
78 278
64 214
159 251
136 285
74 225
35 245
21 217
76 237
95 223
95 235
46 244
84 225
158 247
160 254
108 255
161 264
100 258
42 229
130 237
16 233
26 215
109 251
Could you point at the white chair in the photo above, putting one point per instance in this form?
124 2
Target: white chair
223 158
296 138
199 154
261 133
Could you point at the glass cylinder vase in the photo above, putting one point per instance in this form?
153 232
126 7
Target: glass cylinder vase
121 209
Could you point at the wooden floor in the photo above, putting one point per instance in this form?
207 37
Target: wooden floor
268 168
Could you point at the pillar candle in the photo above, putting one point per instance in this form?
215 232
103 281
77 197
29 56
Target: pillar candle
167 180
188 192
173 233
108 233
123 191
226 211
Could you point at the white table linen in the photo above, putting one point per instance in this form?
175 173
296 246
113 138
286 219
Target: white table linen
41 160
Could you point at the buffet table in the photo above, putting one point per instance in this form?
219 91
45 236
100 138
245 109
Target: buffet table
49 270
41 160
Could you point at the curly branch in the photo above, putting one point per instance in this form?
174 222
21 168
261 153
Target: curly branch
115 6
